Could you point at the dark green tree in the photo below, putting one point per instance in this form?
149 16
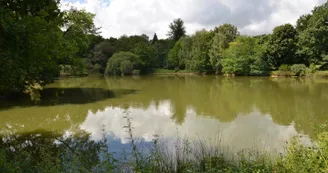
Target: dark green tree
147 57
282 46
31 43
155 39
177 29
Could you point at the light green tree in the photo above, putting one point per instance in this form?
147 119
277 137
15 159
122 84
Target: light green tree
224 34
200 61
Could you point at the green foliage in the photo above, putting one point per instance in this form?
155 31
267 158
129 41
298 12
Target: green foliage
177 29
31 44
300 158
284 70
244 57
229 32
162 48
101 53
216 51
224 34
155 39
299 69
200 60
173 56
313 30
180 54
282 46
122 63
146 54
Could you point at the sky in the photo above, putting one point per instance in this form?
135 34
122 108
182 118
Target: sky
135 17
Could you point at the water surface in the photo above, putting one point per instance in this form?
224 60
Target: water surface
245 112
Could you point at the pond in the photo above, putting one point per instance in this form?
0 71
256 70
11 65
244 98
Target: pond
241 112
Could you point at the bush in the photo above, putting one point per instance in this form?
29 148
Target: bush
136 72
122 63
299 69
312 68
284 70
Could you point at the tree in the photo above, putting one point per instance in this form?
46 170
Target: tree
282 46
162 48
224 34
200 61
31 44
79 25
237 58
101 53
177 29
180 54
173 56
215 52
122 63
245 56
146 54
302 23
313 31
229 33
155 39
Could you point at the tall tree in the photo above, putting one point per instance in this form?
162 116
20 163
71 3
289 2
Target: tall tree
177 29
79 24
31 43
201 43
313 33
282 46
224 34
155 39
230 33
238 57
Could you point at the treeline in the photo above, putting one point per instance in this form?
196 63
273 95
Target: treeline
39 42
288 50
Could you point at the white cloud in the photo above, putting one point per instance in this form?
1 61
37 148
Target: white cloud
118 17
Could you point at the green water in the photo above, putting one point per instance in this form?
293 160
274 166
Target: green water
242 112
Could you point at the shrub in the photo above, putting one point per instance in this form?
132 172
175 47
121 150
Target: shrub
122 63
298 69
136 72
284 70
312 68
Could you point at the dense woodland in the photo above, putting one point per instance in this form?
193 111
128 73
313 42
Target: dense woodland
39 42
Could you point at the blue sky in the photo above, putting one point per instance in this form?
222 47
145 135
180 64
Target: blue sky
118 17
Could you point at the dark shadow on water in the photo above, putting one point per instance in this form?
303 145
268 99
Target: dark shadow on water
59 96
